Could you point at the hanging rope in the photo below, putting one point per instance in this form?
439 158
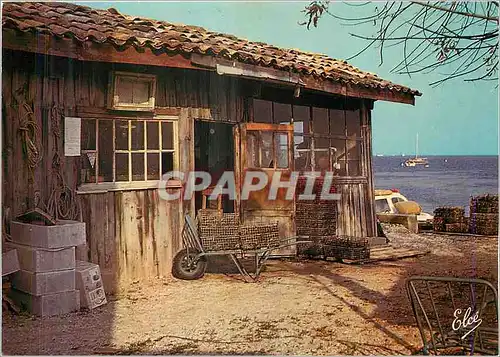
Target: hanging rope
62 202
30 136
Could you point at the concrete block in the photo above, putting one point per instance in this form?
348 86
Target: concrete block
10 262
89 282
39 260
63 234
82 252
407 220
47 305
44 283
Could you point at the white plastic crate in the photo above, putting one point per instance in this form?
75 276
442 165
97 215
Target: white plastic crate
89 282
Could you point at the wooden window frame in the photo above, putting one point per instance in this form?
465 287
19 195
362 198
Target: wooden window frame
314 137
114 100
273 129
132 184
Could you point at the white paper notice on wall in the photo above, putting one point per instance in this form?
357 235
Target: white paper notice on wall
72 136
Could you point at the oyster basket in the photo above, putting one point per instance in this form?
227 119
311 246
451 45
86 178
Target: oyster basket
259 236
212 216
484 204
483 223
351 248
453 214
218 231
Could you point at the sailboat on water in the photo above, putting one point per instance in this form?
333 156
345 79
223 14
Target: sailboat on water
416 161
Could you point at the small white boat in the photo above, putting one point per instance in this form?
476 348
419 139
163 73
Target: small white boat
416 161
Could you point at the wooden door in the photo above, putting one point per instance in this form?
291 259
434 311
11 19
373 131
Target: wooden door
268 149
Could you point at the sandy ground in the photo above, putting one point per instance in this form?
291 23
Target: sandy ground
297 307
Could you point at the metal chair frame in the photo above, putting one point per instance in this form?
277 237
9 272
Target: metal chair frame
483 339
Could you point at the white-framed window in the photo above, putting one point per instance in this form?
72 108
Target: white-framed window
131 91
127 153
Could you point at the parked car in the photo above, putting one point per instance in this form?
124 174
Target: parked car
386 199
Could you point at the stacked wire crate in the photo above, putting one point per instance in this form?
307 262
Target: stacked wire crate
484 215
450 219
350 248
317 219
259 236
220 231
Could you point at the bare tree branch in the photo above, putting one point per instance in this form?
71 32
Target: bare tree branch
457 36
469 14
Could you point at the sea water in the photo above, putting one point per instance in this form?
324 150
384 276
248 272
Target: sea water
448 181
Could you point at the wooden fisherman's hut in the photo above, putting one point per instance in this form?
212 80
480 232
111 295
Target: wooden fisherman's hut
97 105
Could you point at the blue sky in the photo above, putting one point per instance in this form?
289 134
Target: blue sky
455 118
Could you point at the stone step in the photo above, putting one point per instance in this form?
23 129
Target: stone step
47 305
44 283
39 260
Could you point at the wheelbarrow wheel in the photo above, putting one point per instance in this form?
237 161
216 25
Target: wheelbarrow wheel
187 267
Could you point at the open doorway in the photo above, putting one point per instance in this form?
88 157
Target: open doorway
214 153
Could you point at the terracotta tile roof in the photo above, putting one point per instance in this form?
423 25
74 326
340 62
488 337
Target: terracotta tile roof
100 26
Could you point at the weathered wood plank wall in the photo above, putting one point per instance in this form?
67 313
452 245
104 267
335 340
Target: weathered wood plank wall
132 234
352 219
121 235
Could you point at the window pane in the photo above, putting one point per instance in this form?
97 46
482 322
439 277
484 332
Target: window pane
262 111
87 173
298 127
167 162
282 113
105 154
266 148
353 149
353 168
321 143
88 134
125 89
252 149
321 160
167 135
121 167
321 154
153 135
141 92
337 149
340 168
303 153
137 167
395 200
320 121
301 114
337 122
137 135
121 140
382 206
353 123
153 166
281 144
